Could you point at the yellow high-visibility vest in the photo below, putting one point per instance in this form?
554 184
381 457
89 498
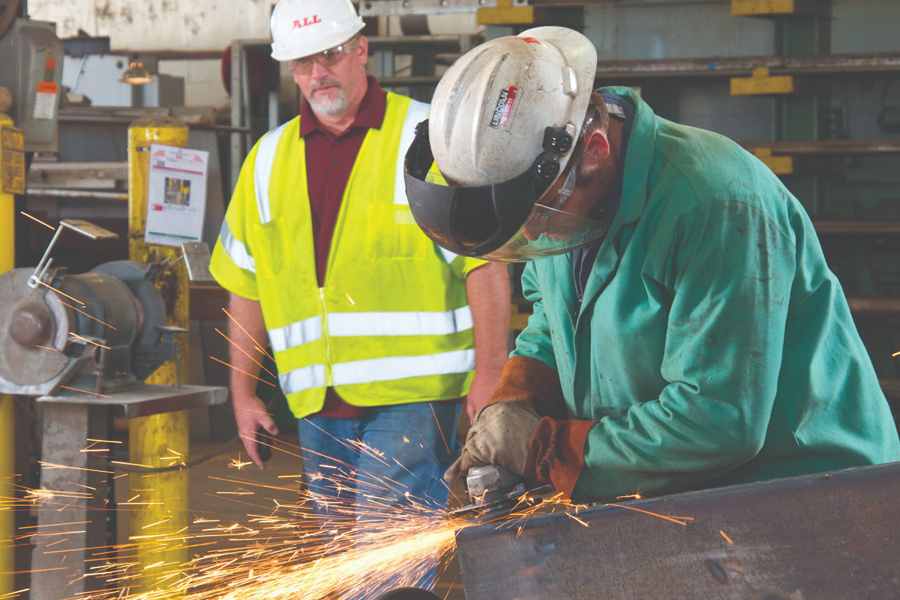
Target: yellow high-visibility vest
392 323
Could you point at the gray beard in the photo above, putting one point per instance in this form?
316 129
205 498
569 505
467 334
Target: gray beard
331 108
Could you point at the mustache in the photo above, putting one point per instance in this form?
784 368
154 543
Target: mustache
323 83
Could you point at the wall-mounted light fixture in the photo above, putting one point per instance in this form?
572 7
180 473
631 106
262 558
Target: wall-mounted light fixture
137 73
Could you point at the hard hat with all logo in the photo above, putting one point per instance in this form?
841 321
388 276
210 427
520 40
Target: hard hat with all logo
492 170
306 27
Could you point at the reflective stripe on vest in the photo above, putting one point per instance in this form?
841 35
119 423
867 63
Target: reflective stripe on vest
418 112
296 334
371 324
379 369
236 249
262 173
303 379
399 323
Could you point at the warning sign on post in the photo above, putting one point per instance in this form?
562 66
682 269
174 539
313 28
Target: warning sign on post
46 98
12 160
177 195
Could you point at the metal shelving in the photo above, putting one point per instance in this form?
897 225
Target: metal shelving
711 67
858 228
832 147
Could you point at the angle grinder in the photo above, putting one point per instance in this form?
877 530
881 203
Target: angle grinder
494 492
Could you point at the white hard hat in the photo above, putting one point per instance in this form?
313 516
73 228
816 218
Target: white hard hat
492 172
491 108
306 27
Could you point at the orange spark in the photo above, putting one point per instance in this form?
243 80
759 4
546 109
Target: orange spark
259 347
130 464
238 464
650 513
69 388
244 352
62 293
88 341
440 430
248 373
634 496
36 220
90 316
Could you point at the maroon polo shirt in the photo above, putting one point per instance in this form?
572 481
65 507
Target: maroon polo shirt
329 161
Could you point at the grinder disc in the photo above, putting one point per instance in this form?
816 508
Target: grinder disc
23 364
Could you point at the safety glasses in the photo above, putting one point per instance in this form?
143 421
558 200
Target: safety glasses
326 58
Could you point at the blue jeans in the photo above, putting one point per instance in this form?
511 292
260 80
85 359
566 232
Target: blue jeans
354 462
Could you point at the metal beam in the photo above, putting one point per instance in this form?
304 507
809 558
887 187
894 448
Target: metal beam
60 564
874 306
858 228
830 147
826 536
734 66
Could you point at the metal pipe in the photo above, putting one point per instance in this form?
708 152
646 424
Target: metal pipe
726 66
82 194
7 409
114 120
158 440
858 227
875 306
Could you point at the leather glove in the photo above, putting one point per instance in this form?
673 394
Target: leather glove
530 380
501 435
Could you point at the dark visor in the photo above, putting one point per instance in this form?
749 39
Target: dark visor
471 221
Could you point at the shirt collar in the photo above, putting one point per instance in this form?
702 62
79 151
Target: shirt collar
638 158
370 114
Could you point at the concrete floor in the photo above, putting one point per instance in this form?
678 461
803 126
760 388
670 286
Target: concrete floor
206 500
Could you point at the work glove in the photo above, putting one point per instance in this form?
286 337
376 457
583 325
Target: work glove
501 435
530 380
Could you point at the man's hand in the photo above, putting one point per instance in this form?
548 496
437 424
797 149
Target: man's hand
501 436
250 414
480 392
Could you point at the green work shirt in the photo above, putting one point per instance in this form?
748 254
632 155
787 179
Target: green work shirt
714 345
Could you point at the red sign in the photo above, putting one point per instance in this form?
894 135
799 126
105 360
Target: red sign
306 22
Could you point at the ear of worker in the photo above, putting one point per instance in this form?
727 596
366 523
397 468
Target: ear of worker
524 428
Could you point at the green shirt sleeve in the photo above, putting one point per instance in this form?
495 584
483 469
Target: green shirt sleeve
731 267
535 340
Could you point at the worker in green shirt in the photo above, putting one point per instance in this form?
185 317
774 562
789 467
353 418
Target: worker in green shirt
686 330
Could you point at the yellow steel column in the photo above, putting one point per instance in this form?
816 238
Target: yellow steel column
7 412
159 440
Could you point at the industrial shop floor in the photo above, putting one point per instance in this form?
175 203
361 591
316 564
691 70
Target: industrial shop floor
212 498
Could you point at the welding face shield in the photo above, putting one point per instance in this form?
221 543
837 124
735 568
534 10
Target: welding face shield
540 212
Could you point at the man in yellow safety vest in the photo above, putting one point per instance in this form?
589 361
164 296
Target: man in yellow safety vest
376 331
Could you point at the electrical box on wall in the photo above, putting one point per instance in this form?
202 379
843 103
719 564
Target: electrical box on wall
32 69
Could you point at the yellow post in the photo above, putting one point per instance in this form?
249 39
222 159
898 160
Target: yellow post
159 440
507 12
7 410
